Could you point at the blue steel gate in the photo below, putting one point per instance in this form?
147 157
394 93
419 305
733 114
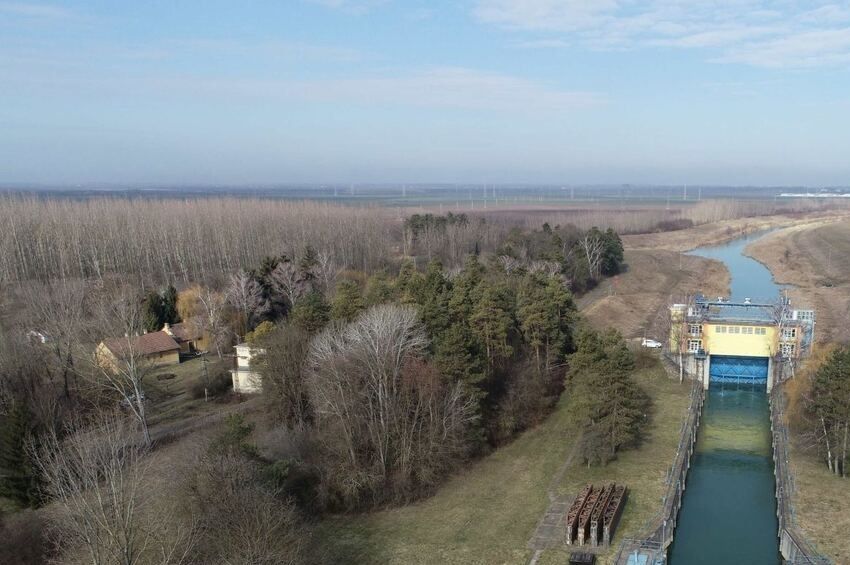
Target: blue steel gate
732 369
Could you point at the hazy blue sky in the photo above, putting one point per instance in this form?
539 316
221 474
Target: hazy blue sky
566 91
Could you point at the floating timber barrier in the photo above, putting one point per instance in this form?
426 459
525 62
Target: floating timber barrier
584 517
574 512
598 513
594 514
612 513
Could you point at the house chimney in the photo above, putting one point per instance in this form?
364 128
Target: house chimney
167 328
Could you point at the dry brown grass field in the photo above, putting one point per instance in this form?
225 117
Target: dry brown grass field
636 301
721 231
815 259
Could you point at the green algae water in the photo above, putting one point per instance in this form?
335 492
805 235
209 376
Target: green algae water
728 510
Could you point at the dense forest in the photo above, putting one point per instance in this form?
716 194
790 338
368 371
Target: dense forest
383 370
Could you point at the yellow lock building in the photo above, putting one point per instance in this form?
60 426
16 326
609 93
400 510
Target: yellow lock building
739 342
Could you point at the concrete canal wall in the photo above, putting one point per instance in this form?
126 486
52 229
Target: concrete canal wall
793 546
659 530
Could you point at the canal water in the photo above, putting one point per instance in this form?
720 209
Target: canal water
728 511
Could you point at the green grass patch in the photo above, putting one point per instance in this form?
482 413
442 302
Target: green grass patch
168 390
487 512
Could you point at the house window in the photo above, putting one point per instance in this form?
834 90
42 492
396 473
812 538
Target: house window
720 329
761 331
787 349
789 333
695 329
694 345
734 330
747 330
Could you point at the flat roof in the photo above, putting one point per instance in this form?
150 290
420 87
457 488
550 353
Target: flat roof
740 313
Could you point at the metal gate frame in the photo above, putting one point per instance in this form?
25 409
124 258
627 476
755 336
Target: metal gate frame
738 369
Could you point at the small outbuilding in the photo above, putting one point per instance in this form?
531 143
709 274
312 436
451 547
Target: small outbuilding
189 336
245 377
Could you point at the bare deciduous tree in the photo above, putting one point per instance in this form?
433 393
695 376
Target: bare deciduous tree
122 365
287 281
387 420
326 270
95 476
246 296
58 311
592 247
509 264
212 306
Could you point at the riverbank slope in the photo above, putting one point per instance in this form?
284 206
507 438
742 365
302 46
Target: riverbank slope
815 258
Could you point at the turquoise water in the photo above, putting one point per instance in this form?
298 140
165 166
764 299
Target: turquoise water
750 279
728 511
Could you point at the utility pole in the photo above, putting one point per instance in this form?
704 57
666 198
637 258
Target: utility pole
206 378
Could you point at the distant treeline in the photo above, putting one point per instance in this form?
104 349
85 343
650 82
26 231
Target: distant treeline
658 218
179 240
205 239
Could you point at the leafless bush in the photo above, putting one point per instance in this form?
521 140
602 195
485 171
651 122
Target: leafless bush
22 539
282 371
243 522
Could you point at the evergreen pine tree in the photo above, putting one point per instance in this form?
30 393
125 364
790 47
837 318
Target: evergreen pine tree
612 406
312 312
18 476
612 254
491 322
378 289
169 306
347 302
432 298
153 312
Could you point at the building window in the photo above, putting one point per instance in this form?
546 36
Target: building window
695 329
720 329
694 345
789 333
747 330
787 349
734 330
761 331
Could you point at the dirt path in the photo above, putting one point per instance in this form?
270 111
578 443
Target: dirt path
551 531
